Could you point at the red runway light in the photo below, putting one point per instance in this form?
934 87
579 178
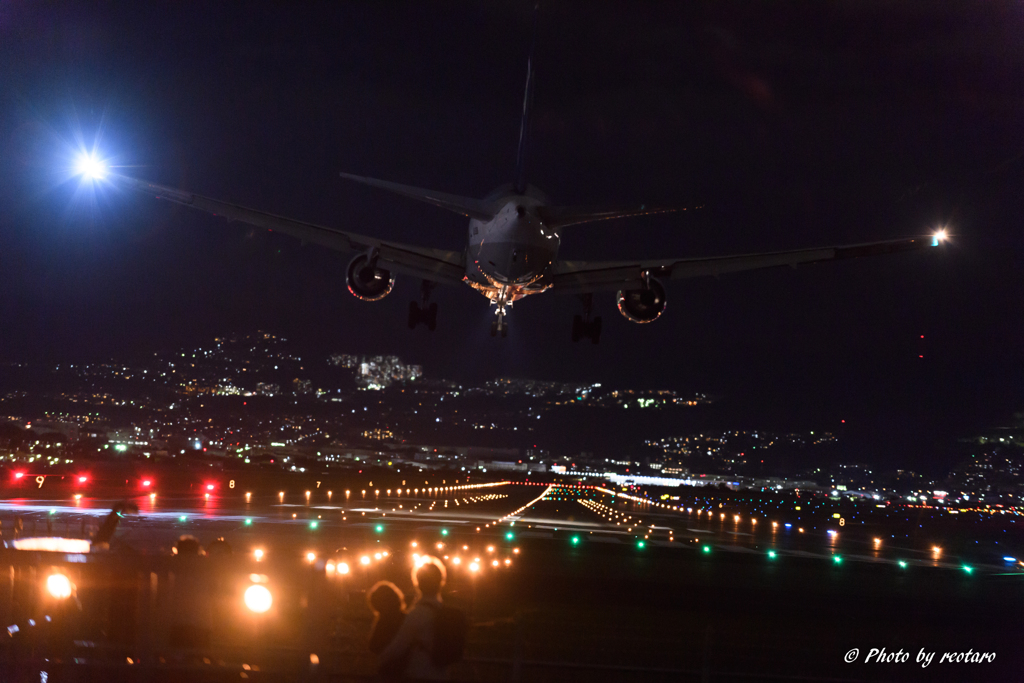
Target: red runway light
19 475
146 482
82 480
209 487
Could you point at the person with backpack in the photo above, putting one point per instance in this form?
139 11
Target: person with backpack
432 636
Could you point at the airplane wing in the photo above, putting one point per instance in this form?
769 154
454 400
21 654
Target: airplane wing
435 265
580 277
556 217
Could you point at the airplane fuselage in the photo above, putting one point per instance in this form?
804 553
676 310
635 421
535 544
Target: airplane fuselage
508 255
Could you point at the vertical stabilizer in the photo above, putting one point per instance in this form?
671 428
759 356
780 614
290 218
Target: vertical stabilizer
524 122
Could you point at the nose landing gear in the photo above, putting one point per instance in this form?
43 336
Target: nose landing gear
498 325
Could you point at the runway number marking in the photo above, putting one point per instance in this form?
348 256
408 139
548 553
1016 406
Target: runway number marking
842 522
318 484
231 484
40 479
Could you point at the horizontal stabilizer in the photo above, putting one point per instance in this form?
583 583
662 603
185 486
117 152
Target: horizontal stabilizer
560 216
467 206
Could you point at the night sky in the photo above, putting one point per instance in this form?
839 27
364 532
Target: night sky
796 125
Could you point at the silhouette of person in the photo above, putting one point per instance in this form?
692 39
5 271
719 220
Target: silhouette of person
413 645
191 615
388 605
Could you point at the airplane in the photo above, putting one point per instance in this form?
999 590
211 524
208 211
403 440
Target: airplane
512 243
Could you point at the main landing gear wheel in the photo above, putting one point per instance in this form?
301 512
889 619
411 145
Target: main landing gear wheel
427 316
422 313
499 326
583 327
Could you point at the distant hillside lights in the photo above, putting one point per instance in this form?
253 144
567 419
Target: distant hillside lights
377 372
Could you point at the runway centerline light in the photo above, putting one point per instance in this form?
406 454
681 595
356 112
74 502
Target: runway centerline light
343 567
364 560
59 586
310 557
258 554
258 598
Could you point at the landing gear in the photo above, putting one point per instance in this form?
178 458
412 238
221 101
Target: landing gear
582 326
498 325
423 313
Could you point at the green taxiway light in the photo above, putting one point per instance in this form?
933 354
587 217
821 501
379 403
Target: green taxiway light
182 518
248 522
576 540
640 544
379 528
509 536
837 559
53 512
771 554
707 549
968 569
903 565
444 532
314 524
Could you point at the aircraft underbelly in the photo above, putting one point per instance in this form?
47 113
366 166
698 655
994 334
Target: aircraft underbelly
512 262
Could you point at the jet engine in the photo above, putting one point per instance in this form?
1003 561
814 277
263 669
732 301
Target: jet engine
642 305
368 282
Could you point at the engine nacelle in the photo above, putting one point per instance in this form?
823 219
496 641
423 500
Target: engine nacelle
642 305
367 282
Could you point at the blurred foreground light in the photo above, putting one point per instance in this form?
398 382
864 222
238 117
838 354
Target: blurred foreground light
258 599
52 544
473 567
258 554
90 167
343 568
330 567
59 586
364 560
310 557
456 560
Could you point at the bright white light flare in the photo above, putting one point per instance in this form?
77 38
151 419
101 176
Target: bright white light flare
59 586
91 167
258 599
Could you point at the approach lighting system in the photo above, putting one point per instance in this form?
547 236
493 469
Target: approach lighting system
258 598
88 166
59 586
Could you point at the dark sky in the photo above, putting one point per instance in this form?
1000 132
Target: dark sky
795 125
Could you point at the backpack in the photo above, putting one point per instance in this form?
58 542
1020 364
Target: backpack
450 628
